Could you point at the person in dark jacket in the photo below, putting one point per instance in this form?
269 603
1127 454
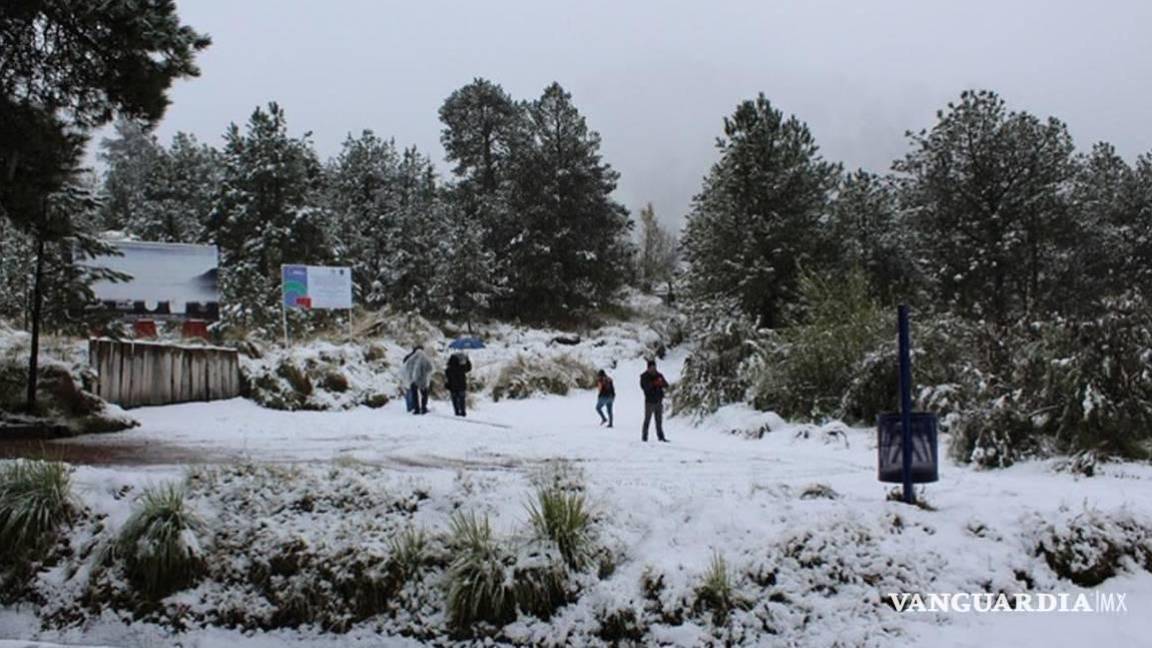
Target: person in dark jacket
653 384
605 396
457 377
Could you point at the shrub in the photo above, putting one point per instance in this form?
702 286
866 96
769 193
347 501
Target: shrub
296 378
563 518
488 581
478 589
35 501
621 626
1076 387
819 491
803 371
159 545
716 593
524 376
1092 546
409 551
711 377
335 381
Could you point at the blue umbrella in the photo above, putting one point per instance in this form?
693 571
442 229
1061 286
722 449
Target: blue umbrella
466 343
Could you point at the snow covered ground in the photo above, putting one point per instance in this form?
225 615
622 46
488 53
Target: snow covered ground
669 509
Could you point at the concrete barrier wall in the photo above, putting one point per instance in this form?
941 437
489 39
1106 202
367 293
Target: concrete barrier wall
132 374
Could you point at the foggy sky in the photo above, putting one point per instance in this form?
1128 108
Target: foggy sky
655 78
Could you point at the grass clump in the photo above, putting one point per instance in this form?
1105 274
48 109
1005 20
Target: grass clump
478 587
819 491
564 518
159 545
35 501
716 593
409 552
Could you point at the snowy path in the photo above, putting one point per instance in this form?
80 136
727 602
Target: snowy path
498 436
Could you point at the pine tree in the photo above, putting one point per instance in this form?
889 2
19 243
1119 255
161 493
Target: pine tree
756 221
657 255
482 126
563 240
867 232
1102 203
132 159
1136 230
73 77
464 284
410 273
361 186
187 180
987 189
266 215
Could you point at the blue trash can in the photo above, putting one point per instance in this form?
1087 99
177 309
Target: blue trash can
890 448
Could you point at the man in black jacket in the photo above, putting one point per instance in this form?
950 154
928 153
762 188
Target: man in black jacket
457 377
653 384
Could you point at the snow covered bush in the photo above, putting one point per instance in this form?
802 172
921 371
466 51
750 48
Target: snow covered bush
1066 386
478 583
406 328
36 501
711 377
564 518
62 403
802 371
1092 546
527 375
159 546
319 376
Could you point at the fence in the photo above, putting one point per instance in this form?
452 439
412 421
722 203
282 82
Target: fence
132 374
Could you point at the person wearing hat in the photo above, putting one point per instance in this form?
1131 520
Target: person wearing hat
653 384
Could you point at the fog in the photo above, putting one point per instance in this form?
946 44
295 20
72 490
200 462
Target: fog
657 78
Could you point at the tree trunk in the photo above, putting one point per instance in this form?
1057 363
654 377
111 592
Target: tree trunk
37 298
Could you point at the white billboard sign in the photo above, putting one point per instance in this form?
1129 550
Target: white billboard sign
174 279
317 287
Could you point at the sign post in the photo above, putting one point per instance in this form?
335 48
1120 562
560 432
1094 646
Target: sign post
315 287
906 403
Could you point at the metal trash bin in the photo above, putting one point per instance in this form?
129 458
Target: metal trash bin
890 448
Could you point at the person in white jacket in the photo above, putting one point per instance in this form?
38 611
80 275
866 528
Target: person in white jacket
417 374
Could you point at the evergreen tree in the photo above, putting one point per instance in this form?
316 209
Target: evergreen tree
482 126
187 180
987 189
1136 230
410 273
657 255
1103 206
464 284
362 184
79 65
757 220
132 159
866 231
563 240
266 215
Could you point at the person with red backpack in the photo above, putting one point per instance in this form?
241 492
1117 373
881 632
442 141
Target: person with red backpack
605 396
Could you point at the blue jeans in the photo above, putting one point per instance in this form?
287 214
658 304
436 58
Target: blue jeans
601 403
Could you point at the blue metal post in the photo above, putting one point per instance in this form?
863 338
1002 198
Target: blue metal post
906 402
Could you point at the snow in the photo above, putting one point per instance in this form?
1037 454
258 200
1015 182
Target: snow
730 484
